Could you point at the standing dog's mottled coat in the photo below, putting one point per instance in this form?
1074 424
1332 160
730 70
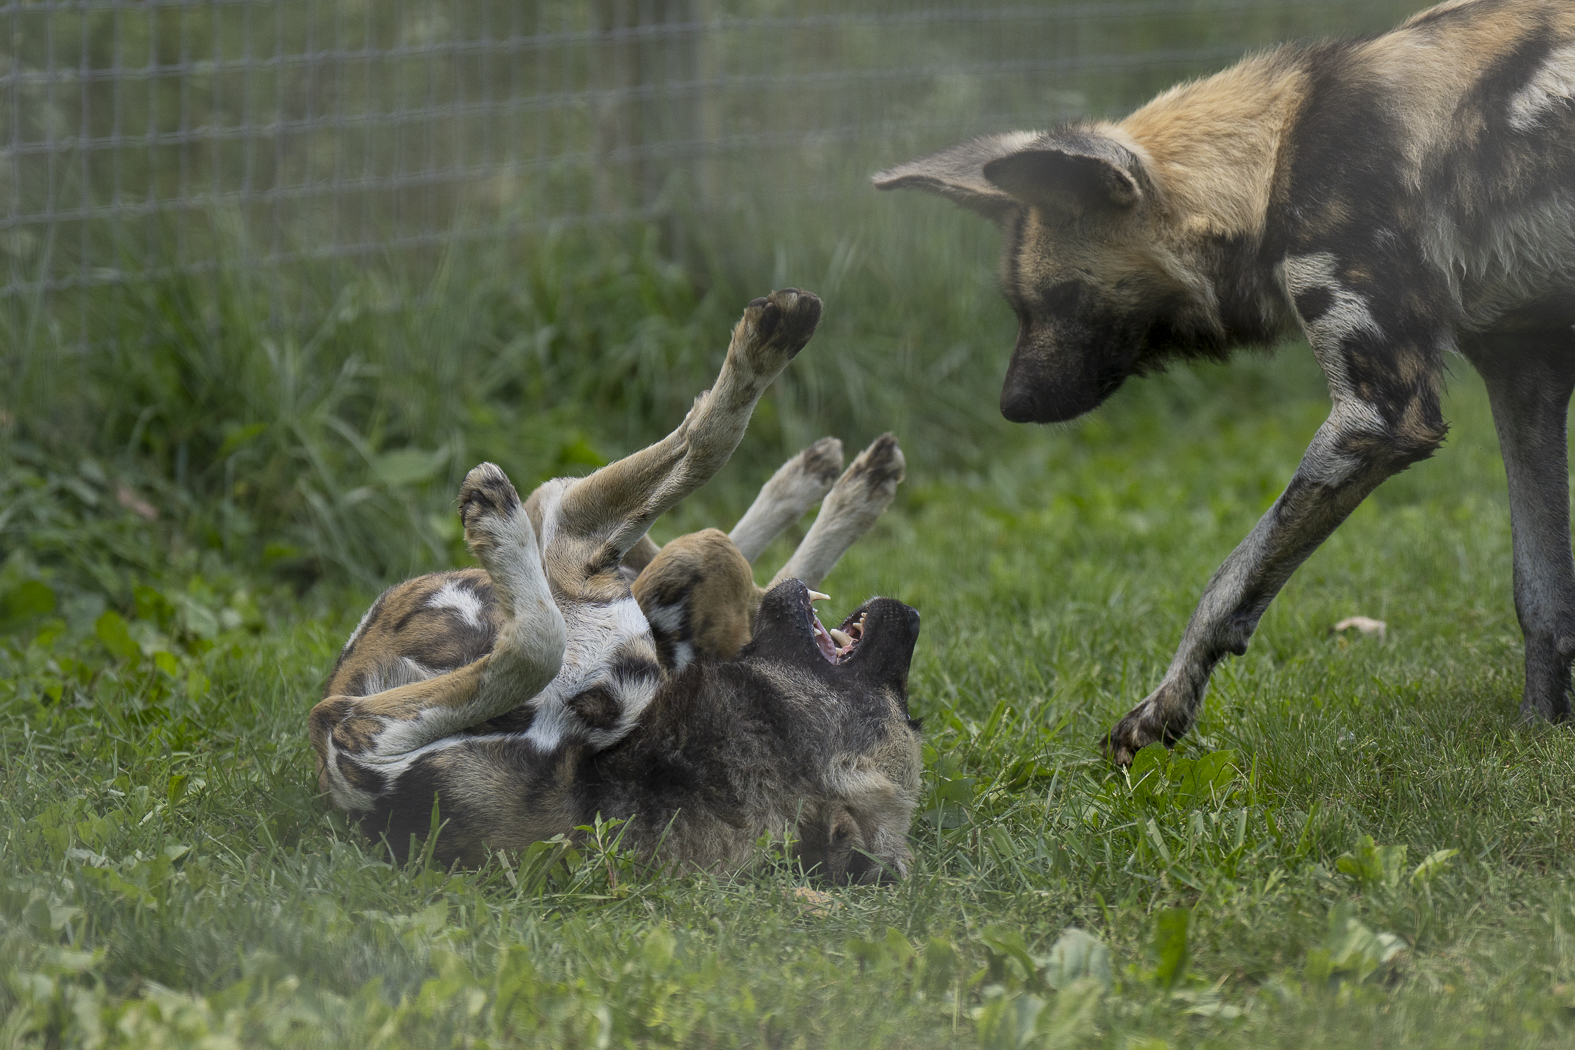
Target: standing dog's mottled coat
1397 198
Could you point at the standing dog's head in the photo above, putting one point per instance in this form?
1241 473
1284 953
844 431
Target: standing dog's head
851 684
1092 261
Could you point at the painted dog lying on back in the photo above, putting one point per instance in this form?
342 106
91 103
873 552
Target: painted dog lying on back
1397 199
583 672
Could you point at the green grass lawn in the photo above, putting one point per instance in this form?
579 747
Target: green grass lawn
1357 846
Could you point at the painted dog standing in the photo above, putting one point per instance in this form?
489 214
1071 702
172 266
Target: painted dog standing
543 689
1398 199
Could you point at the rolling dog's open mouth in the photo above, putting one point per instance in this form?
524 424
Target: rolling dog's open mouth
836 644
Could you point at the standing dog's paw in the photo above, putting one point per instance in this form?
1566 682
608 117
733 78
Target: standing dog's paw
1145 724
488 508
774 329
867 488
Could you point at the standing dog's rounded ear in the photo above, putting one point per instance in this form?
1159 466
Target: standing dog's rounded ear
1069 178
957 173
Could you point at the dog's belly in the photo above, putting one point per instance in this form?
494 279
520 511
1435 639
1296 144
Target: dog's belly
437 623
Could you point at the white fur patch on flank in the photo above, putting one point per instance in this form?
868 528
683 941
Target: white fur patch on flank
1553 84
454 595
392 768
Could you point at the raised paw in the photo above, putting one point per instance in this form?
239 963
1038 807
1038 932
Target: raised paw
773 330
798 485
816 468
489 508
867 488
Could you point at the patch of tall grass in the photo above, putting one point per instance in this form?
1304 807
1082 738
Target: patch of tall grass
318 421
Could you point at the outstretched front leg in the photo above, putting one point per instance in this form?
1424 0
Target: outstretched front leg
853 505
1385 369
798 485
363 743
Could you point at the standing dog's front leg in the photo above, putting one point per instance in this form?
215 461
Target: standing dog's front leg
1386 416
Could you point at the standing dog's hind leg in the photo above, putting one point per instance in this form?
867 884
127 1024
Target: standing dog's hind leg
798 485
1529 387
854 504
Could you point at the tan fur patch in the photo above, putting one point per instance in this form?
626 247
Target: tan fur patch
705 570
1213 144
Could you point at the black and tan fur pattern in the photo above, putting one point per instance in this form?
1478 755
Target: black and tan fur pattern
531 694
1398 199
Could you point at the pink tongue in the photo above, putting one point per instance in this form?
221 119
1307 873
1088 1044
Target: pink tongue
828 648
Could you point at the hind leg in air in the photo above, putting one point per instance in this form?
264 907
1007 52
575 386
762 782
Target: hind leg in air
798 485
363 743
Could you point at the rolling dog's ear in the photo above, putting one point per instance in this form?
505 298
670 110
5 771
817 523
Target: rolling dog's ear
1079 172
958 175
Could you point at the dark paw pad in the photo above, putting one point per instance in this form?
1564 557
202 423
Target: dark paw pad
1139 728
486 492
823 460
880 465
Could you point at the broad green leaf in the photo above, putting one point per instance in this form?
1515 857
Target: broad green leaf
1373 866
1431 868
1006 944
111 630
1147 771
1007 1022
1351 950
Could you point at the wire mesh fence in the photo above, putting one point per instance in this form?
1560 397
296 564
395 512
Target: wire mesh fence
144 137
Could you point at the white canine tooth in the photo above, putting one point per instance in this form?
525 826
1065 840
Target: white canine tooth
842 638
816 596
